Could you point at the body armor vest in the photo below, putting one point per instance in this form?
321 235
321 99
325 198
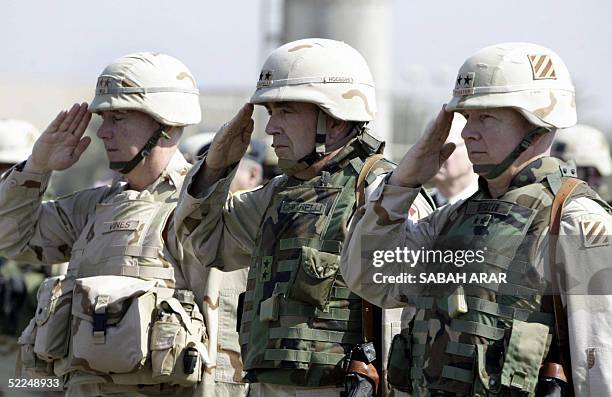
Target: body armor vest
124 238
116 316
497 342
299 319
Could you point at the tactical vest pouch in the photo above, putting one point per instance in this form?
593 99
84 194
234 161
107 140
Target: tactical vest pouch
27 359
176 344
315 277
53 318
111 318
399 363
524 355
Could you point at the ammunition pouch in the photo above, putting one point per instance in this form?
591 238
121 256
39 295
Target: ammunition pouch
53 318
314 277
399 363
27 360
124 327
524 355
111 317
176 344
47 336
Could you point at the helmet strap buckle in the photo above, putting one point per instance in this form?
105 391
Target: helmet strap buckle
125 167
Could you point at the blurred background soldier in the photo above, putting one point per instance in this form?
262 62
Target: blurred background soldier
456 179
588 147
250 169
18 282
195 145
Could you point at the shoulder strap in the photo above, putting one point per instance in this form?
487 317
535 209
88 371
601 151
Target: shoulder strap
363 174
367 309
561 334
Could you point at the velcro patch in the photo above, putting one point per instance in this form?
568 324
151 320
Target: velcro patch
103 85
482 219
116 226
289 207
594 233
464 85
265 79
542 67
265 271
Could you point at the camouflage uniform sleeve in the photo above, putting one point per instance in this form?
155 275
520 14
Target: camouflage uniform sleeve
36 231
584 250
388 221
218 228
396 319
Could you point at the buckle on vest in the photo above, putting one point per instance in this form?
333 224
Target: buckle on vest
99 319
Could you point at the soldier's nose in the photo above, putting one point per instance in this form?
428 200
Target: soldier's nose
468 133
104 132
271 128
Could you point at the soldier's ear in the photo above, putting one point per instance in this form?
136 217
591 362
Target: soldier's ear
337 129
174 133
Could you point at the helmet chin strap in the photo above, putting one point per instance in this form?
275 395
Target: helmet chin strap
125 167
291 167
492 171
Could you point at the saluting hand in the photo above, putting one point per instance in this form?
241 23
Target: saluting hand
62 143
424 159
232 140
227 148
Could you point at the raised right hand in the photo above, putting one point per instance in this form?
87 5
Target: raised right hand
227 148
61 144
425 158
232 140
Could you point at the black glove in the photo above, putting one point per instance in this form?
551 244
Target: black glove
552 387
356 385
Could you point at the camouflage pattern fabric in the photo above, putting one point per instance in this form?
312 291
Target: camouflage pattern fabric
496 345
102 231
311 219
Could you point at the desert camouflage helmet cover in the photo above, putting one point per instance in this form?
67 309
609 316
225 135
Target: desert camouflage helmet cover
328 73
16 140
156 84
586 145
528 77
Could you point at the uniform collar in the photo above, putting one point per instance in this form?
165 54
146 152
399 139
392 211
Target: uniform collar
537 171
176 169
534 172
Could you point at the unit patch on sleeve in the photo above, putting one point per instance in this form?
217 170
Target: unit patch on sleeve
594 232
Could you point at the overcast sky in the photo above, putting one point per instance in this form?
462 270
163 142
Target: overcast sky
72 40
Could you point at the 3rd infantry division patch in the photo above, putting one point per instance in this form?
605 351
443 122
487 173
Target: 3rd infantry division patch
542 67
594 233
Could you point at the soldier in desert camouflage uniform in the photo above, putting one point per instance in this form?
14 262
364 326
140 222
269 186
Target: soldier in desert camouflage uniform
588 147
124 320
490 337
299 321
